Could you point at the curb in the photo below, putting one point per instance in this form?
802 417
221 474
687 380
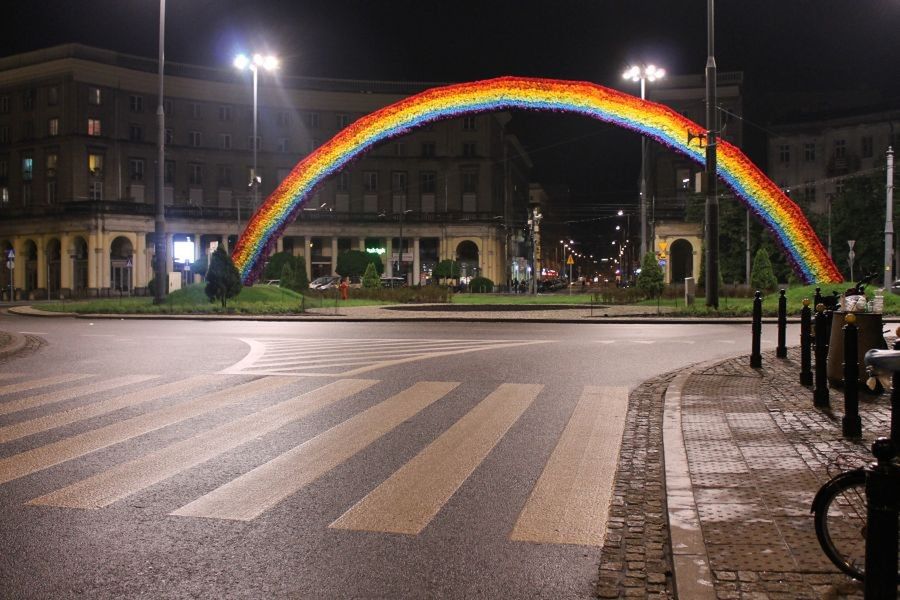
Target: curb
690 562
15 345
31 311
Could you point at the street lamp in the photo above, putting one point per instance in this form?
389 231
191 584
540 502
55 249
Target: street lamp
269 63
644 74
160 276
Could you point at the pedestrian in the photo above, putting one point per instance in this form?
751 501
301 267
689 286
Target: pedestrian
344 287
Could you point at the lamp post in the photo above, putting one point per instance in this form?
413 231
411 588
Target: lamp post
160 229
712 198
269 63
643 74
889 222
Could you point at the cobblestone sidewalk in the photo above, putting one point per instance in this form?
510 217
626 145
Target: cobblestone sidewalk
758 450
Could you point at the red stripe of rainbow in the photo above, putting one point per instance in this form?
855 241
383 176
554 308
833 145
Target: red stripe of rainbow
778 213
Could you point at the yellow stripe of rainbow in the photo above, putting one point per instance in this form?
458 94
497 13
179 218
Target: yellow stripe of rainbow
778 213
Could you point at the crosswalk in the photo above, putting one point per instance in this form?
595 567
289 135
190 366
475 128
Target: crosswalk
351 357
568 503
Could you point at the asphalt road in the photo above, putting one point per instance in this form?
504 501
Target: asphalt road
319 460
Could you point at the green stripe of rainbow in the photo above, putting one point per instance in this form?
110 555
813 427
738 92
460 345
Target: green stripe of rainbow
779 214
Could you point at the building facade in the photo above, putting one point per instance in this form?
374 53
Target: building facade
810 158
78 173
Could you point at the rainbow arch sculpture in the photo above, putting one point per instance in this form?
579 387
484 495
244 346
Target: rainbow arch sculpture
777 212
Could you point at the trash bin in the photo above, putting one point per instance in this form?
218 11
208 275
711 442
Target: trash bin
871 335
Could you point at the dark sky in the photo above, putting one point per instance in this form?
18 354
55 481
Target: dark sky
781 45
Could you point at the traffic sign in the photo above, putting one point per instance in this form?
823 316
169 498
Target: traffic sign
570 260
662 262
11 254
10 264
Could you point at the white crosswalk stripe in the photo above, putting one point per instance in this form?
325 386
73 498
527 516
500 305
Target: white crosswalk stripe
351 358
568 504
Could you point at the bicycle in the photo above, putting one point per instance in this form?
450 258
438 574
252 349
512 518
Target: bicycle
840 506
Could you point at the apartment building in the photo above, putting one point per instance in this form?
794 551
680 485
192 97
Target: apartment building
78 173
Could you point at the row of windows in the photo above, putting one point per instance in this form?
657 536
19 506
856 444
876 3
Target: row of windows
195 139
311 119
839 150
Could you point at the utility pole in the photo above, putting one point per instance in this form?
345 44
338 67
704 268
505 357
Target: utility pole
889 222
712 199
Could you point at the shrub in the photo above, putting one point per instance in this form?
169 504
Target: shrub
650 279
370 278
762 277
481 285
223 280
446 269
293 274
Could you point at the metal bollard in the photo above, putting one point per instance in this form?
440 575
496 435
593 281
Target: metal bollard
883 499
781 350
851 425
895 399
806 377
817 299
755 356
820 394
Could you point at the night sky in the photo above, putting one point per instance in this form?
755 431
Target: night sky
781 45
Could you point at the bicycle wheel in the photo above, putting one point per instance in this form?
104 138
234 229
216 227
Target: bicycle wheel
840 519
840 510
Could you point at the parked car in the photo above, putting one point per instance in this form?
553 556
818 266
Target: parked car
355 281
324 283
393 281
271 282
895 287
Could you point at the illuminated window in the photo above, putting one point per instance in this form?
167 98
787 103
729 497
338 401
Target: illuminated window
93 127
94 96
95 165
53 127
52 164
27 167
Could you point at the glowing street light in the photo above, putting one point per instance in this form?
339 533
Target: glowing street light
257 62
644 74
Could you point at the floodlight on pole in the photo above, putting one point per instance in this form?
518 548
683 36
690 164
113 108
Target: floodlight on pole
268 63
643 74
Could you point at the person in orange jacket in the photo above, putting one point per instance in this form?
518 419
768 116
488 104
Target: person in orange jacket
344 287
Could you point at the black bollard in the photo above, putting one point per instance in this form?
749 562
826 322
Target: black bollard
755 356
806 377
781 349
851 425
820 394
817 299
895 399
883 499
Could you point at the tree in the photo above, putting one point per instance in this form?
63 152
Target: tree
762 277
650 279
276 263
354 263
446 269
200 266
293 274
223 280
370 277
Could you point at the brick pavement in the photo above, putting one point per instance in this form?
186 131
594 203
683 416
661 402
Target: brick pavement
757 452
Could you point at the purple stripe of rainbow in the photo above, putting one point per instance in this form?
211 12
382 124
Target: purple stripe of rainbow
782 216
